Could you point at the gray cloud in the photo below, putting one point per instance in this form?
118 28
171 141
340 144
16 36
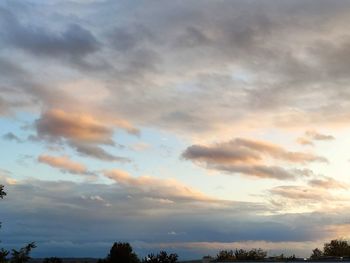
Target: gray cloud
75 41
311 136
328 183
97 152
318 136
12 137
155 57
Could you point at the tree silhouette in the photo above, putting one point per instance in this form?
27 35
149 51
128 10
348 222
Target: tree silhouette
224 255
22 255
316 254
3 253
336 248
120 253
2 192
241 254
162 257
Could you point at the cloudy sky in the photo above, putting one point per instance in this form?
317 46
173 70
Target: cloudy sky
185 125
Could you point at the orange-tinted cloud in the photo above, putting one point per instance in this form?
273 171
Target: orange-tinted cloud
246 151
299 193
57 123
164 189
328 183
63 163
250 158
97 152
313 135
82 131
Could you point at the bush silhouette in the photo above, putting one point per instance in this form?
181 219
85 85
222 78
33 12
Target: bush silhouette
162 257
120 253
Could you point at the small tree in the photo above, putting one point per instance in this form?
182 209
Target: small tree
22 255
121 253
316 254
162 257
3 253
336 248
241 254
256 254
225 255
2 192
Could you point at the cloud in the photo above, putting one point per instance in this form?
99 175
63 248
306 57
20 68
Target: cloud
143 70
81 131
304 141
318 136
74 42
318 195
4 106
328 183
141 146
58 124
162 189
312 135
64 163
126 210
12 137
250 158
97 152
299 193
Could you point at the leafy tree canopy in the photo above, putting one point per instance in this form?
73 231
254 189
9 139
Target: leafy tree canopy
162 257
2 192
121 253
241 254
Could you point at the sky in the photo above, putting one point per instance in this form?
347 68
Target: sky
187 125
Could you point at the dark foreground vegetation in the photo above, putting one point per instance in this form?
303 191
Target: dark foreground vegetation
335 250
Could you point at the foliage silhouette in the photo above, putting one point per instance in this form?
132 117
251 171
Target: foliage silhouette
22 255
121 253
316 254
335 248
162 257
3 255
241 254
225 255
2 192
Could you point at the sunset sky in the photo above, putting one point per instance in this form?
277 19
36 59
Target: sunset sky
190 126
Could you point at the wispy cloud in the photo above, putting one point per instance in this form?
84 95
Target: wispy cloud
64 163
12 137
311 136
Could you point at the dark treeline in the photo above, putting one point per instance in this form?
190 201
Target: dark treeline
241 254
335 248
256 254
123 253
